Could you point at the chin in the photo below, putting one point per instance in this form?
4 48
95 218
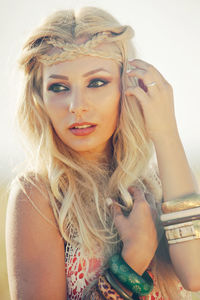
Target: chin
85 148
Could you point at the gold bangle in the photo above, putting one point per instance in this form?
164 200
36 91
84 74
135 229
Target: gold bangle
181 220
183 231
182 203
180 214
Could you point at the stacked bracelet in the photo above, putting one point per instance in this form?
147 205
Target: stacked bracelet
114 284
182 203
180 214
141 285
183 232
181 218
106 289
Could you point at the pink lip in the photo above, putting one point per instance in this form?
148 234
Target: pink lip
81 124
82 131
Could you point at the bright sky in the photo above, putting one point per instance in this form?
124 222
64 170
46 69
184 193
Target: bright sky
167 35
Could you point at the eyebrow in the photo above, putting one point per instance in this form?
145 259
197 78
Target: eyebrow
95 71
84 75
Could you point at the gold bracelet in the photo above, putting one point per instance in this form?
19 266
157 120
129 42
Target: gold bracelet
181 220
180 214
183 231
181 203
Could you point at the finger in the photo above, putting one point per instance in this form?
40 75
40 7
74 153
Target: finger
114 207
137 194
135 72
148 202
147 76
131 189
109 202
150 69
139 93
117 211
144 79
139 63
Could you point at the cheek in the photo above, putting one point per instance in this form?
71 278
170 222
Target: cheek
110 110
55 107
113 104
54 101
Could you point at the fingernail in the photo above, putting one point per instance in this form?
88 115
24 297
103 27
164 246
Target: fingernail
128 71
131 188
109 202
130 59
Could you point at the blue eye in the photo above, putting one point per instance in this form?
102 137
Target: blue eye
95 83
57 88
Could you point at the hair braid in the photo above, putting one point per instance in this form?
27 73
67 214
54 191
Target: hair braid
72 51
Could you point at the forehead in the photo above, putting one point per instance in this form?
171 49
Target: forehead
85 63
80 66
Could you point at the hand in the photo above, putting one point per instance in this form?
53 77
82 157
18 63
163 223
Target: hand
156 101
137 231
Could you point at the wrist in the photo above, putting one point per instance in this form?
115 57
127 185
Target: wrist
140 285
166 137
136 258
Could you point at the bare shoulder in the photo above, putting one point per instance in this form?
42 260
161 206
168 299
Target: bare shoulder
34 246
30 192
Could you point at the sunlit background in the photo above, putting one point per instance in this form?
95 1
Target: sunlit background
167 35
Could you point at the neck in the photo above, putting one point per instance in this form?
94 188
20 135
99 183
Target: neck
98 156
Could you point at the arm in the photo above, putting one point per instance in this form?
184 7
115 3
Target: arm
177 180
175 173
35 249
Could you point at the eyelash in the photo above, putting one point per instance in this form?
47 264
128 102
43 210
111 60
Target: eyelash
64 88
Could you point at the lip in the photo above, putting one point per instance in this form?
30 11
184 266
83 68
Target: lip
82 131
81 124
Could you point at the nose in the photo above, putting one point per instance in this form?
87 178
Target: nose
78 104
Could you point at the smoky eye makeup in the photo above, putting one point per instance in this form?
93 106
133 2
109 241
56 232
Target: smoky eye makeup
97 82
57 87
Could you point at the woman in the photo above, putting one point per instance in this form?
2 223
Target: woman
93 115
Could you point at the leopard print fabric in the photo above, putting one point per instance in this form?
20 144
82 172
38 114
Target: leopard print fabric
107 291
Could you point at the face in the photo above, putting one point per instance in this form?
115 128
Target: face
82 101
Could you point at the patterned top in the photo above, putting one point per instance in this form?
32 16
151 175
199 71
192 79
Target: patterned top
81 271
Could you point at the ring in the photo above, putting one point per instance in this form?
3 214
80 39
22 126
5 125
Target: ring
151 83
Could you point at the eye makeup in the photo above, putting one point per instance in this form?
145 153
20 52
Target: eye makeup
58 87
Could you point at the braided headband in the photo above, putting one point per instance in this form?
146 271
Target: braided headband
69 51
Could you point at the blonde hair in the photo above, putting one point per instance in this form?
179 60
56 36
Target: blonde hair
74 186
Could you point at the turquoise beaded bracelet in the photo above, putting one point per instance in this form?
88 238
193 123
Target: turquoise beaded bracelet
141 285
